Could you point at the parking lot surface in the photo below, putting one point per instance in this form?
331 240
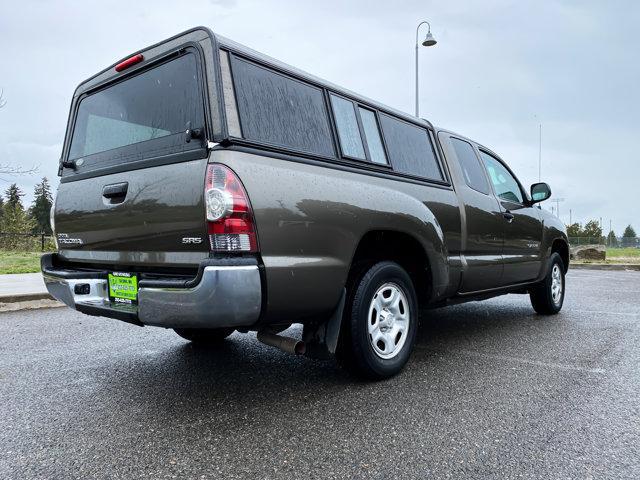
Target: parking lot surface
492 391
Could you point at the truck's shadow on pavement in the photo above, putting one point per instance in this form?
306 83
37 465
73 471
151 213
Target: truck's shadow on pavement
473 321
241 372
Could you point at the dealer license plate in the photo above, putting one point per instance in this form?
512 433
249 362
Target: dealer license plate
123 287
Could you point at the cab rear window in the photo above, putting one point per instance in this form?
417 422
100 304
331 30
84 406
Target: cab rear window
143 116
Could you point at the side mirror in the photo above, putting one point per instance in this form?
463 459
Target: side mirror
540 192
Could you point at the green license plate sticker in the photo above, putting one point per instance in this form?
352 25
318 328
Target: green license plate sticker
123 287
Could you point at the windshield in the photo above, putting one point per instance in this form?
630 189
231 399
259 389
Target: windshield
155 104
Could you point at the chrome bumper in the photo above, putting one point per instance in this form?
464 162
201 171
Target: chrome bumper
225 296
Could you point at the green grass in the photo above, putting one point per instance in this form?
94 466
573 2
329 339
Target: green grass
19 262
618 255
29 262
623 252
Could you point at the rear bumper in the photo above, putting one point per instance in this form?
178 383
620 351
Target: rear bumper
220 296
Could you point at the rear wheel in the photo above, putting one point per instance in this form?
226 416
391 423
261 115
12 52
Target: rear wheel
204 336
548 297
380 322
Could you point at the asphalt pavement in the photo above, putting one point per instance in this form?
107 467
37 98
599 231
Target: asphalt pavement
492 391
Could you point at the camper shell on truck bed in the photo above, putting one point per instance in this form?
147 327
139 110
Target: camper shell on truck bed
206 187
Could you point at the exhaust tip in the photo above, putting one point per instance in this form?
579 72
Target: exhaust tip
286 344
300 348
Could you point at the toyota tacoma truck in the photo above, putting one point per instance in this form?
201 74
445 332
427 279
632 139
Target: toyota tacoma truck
208 189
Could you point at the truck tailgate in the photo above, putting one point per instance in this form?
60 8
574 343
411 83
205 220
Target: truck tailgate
159 219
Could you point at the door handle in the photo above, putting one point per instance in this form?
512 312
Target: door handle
508 216
115 191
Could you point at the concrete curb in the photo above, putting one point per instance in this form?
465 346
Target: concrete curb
606 266
25 297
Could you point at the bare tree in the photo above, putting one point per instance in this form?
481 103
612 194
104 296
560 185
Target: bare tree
6 169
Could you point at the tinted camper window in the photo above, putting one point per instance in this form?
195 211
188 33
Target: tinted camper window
142 116
410 148
279 110
372 134
347 126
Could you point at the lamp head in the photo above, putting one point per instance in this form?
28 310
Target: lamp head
429 41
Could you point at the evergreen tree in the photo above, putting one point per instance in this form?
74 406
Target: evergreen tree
574 230
14 219
41 207
612 240
629 232
14 197
592 229
629 237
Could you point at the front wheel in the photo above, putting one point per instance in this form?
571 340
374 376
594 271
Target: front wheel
204 336
548 297
380 322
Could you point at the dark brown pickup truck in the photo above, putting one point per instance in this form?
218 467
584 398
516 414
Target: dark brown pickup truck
208 188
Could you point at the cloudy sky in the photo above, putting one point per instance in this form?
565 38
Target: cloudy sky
500 68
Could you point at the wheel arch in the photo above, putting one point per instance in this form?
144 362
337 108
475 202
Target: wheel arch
560 246
403 248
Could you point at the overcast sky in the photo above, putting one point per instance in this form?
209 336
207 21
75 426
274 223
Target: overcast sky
498 70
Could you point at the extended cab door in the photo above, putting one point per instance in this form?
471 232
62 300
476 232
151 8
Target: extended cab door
482 226
521 222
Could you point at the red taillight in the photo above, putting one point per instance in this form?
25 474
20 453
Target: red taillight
229 217
128 62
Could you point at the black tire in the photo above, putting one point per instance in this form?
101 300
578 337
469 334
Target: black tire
356 350
204 336
542 296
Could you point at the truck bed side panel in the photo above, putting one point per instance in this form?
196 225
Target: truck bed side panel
310 219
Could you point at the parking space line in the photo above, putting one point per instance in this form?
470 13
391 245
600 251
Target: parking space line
598 312
525 361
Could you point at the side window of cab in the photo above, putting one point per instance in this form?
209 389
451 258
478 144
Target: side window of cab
504 183
471 168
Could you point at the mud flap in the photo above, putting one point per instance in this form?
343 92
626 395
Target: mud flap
321 338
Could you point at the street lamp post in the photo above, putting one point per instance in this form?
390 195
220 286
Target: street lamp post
429 41
540 156
558 200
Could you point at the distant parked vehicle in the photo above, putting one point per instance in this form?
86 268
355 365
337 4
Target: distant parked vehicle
208 188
